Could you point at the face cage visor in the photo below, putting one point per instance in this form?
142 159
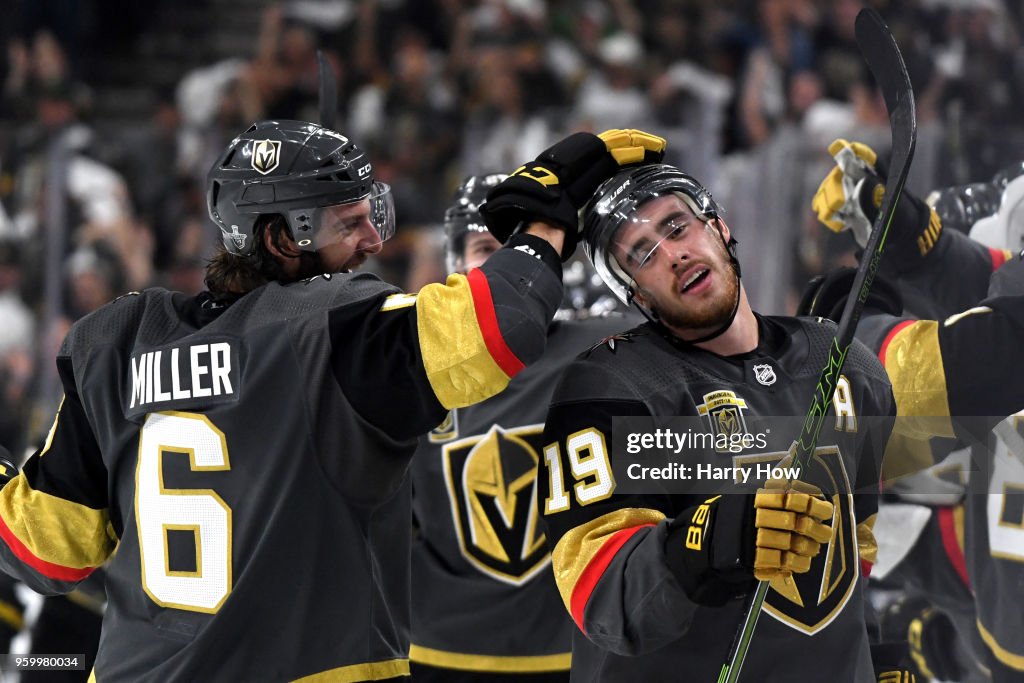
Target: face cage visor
625 243
318 228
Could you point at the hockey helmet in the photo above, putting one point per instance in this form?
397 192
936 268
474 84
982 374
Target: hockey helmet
1004 229
463 216
296 170
615 204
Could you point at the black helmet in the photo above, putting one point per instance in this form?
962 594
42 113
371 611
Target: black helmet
463 216
293 169
615 202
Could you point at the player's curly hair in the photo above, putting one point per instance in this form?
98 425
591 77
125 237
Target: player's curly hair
230 274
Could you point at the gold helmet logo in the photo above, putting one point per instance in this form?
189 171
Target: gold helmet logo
493 487
266 155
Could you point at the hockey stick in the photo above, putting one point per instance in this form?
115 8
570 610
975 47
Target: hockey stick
328 92
886 63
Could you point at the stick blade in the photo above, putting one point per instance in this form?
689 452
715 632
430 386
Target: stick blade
883 57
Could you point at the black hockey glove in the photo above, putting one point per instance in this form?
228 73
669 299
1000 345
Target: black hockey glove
718 548
825 295
555 186
915 226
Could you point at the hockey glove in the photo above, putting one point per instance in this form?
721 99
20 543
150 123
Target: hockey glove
789 527
555 186
718 548
836 202
851 195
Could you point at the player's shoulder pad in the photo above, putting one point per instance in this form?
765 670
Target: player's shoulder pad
603 370
112 321
337 289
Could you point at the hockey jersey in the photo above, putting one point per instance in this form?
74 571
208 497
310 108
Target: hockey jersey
634 620
484 598
248 465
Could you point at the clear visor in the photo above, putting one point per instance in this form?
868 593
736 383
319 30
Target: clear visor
365 223
636 240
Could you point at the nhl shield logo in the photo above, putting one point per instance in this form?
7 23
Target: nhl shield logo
765 374
266 155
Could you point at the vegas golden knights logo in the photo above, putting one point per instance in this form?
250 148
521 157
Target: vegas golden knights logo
810 602
266 155
724 413
492 488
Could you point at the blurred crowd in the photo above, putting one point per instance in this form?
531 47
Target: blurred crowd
748 92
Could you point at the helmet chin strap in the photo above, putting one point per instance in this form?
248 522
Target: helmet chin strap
653 317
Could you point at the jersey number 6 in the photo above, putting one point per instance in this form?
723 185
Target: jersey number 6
201 512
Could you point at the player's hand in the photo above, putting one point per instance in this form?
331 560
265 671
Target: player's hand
555 186
837 200
790 528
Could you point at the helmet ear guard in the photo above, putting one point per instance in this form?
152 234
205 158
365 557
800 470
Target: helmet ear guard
290 168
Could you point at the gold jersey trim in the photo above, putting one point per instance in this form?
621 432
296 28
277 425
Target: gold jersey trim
11 615
867 546
55 530
459 366
370 671
577 547
490 663
1010 659
913 361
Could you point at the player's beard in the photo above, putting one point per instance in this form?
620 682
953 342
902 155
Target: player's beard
708 315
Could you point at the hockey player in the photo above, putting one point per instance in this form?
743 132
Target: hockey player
245 450
485 605
931 358
655 581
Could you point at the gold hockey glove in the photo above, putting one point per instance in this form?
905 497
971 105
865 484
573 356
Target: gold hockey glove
559 182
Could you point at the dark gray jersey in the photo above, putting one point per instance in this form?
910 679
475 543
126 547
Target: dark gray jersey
484 598
250 466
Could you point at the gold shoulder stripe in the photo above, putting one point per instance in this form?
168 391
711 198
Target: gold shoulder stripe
53 429
1010 659
954 319
489 663
577 547
55 530
396 301
867 546
913 362
459 366
370 671
11 615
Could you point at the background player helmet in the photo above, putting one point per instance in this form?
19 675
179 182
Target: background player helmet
1004 229
616 201
294 169
463 216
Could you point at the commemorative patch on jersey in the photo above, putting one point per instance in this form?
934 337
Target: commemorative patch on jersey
492 489
723 411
